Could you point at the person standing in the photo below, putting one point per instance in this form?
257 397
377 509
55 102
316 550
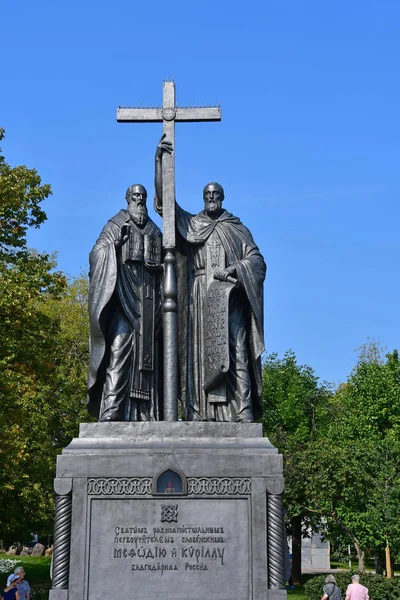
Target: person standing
22 585
331 590
10 592
356 591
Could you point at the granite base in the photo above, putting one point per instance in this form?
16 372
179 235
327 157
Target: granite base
179 511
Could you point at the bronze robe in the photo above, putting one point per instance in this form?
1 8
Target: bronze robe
125 362
243 383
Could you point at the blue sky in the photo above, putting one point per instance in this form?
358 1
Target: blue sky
307 150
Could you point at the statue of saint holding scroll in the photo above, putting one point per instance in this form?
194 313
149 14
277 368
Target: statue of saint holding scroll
220 275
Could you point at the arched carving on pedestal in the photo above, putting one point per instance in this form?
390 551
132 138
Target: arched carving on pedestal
170 482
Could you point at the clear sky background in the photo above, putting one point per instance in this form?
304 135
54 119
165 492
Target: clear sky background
307 150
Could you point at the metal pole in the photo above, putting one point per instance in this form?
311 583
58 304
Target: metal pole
170 306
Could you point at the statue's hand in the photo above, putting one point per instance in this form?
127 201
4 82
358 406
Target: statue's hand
229 274
225 273
123 237
229 271
219 275
163 146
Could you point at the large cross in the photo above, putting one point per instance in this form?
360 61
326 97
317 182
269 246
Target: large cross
168 114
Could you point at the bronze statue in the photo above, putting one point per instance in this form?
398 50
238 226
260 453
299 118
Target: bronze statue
125 316
220 275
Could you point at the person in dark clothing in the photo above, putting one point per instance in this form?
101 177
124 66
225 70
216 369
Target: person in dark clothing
331 590
11 592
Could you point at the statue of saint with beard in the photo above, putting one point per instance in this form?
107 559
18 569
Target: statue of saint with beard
125 316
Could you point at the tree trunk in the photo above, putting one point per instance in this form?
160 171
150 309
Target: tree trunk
379 563
360 556
296 550
389 570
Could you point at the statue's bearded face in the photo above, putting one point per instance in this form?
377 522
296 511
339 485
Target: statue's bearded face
137 198
213 196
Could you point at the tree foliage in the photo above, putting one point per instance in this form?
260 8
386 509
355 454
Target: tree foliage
21 194
292 396
354 464
341 450
44 336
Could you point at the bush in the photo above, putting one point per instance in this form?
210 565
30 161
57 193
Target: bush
380 588
40 591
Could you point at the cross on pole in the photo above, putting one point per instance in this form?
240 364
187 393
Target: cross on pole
168 114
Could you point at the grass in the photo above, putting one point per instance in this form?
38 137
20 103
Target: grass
299 592
37 569
343 565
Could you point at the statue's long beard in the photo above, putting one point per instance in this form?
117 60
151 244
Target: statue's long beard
139 214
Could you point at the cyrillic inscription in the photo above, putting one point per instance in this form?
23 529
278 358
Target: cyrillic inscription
134 547
188 542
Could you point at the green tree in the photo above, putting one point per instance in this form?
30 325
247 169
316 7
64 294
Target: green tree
26 333
67 392
28 281
44 405
59 406
354 464
292 396
21 194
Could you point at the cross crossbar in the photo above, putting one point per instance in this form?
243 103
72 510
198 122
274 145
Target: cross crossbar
155 115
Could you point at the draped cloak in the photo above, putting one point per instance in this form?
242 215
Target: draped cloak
241 252
115 289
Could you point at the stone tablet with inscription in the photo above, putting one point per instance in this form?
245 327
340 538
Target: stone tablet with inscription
158 544
217 334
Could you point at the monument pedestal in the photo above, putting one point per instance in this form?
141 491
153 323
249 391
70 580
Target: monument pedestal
178 511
